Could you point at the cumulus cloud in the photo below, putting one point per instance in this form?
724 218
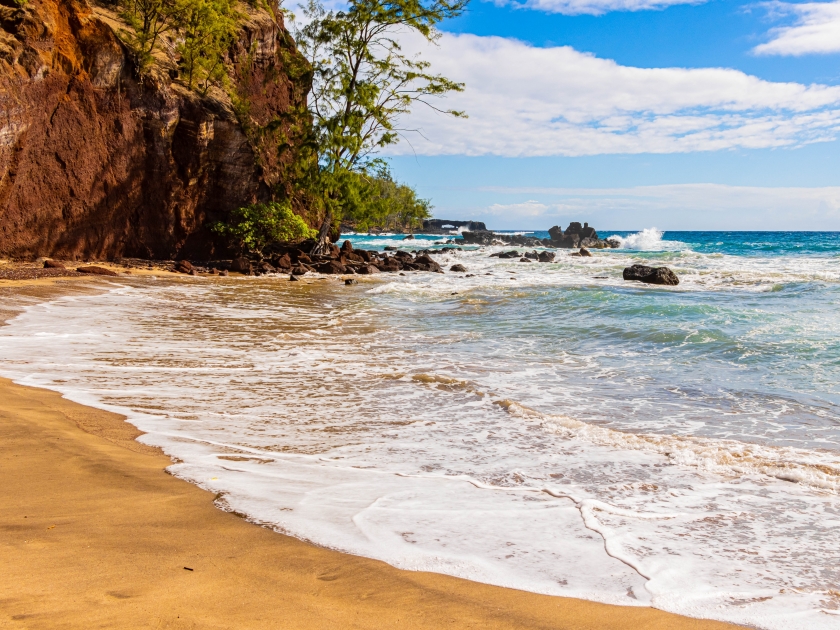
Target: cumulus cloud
817 30
528 101
673 206
592 7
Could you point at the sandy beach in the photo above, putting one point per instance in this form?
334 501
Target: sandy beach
96 534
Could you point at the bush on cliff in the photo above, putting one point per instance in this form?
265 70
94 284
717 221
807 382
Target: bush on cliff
203 31
207 28
258 225
149 20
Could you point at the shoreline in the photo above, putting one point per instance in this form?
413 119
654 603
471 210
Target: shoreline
99 534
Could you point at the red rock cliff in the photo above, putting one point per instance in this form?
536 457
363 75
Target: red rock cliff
96 162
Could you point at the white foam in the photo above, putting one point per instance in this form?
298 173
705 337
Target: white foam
387 442
649 239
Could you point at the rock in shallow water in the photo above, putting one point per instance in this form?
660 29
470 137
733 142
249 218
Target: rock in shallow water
97 271
240 265
331 267
651 275
459 268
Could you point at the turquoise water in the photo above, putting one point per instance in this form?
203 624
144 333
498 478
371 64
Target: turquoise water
547 427
747 348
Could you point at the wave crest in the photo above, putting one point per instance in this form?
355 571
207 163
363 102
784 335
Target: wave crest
649 239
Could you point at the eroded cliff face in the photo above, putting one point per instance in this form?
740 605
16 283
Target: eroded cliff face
97 162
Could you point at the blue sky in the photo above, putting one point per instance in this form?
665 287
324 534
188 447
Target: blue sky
633 113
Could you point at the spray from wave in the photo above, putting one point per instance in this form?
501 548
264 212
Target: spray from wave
649 240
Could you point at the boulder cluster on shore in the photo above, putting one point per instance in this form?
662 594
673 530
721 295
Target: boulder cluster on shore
295 261
341 260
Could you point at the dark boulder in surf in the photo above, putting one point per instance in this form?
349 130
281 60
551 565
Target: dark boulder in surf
283 262
330 267
240 265
546 257
651 275
367 269
427 264
458 268
97 271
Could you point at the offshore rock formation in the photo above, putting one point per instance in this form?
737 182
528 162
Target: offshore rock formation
574 237
577 236
98 162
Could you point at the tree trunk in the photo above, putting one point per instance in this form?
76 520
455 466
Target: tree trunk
322 247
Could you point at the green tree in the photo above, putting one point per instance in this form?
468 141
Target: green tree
362 83
148 19
258 225
376 200
207 28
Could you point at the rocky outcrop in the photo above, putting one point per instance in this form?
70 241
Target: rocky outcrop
577 236
651 275
98 162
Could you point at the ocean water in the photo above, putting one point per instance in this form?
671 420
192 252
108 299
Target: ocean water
547 427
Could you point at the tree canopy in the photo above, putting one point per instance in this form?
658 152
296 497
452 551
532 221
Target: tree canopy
363 83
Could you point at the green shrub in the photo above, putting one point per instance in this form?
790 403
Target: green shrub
260 224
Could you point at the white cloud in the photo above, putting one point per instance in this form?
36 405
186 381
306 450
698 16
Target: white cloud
817 30
592 7
674 206
530 208
529 101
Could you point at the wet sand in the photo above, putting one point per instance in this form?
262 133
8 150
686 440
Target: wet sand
96 534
